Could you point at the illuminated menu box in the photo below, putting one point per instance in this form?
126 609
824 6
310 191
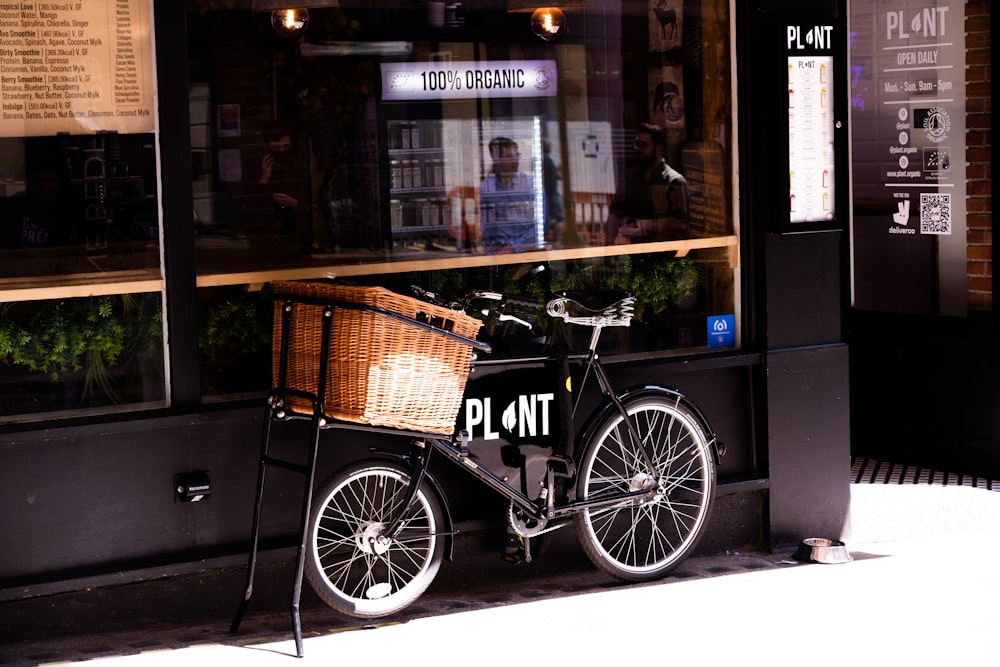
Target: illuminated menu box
810 138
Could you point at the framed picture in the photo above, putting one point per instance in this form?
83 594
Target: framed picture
666 95
230 165
229 120
666 25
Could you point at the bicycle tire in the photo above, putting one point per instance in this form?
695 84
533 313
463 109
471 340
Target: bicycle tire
353 567
638 541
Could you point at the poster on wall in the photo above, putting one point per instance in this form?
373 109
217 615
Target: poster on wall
590 156
908 113
75 67
666 25
666 94
228 120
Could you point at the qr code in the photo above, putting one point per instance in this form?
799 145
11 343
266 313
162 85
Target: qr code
935 214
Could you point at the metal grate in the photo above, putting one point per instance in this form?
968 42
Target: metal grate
872 471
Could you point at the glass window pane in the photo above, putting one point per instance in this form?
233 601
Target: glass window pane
70 356
80 279
78 209
234 340
397 145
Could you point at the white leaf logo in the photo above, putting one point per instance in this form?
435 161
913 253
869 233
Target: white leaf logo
508 418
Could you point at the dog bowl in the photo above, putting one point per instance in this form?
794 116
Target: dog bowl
822 550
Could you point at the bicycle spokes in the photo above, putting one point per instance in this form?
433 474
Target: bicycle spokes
643 538
356 565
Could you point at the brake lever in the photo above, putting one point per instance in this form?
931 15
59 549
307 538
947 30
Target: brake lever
518 320
503 317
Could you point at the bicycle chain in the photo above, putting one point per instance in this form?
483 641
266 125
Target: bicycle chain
517 525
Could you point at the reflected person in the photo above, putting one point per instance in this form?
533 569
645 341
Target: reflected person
654 204
506 201
283 183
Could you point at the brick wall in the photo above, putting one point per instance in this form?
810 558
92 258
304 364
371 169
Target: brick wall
978 169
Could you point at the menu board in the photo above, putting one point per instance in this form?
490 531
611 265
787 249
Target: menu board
810 138
76 67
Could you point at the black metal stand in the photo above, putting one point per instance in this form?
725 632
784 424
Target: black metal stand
276 409
309 470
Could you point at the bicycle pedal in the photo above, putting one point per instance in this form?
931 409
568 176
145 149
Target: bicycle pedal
517 549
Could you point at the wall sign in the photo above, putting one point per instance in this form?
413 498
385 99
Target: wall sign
76 67
721 330
446 80
908 109
917 102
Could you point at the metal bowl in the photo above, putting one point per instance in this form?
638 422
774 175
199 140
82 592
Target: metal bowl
822 550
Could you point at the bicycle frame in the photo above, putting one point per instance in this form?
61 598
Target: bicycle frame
545 508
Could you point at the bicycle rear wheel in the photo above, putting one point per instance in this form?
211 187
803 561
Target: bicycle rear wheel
352 565
637 540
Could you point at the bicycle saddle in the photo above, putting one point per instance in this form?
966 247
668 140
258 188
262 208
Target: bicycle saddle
607 308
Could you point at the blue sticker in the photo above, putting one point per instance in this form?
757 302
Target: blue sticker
722 331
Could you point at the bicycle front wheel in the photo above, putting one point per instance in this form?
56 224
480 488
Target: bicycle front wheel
353 565
638 540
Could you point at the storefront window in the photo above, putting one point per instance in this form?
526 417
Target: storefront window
458 145
80 289
73 356
80 276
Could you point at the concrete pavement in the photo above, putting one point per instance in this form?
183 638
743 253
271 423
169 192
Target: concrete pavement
918 602
918 592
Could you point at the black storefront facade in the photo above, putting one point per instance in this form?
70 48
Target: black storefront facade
90 483
923 329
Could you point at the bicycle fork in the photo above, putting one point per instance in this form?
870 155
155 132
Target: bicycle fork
419 459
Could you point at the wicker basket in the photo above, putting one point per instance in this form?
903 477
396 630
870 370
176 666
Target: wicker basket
381 371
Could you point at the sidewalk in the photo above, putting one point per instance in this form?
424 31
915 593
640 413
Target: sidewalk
920 591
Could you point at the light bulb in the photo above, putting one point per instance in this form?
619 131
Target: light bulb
289 22
548 22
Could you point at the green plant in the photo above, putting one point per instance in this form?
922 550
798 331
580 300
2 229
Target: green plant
105 334
657 283
233 321
47 342
91 334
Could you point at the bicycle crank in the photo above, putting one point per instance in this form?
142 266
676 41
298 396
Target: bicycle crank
527 526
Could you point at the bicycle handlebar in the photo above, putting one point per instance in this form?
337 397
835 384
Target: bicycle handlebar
594 309
506 299
435 298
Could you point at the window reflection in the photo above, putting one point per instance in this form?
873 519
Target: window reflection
75 206
407 153
69 355
373 175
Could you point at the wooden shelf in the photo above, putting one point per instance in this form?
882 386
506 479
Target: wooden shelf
148 280
79 285
461 261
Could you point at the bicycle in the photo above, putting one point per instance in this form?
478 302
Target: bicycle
637 479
